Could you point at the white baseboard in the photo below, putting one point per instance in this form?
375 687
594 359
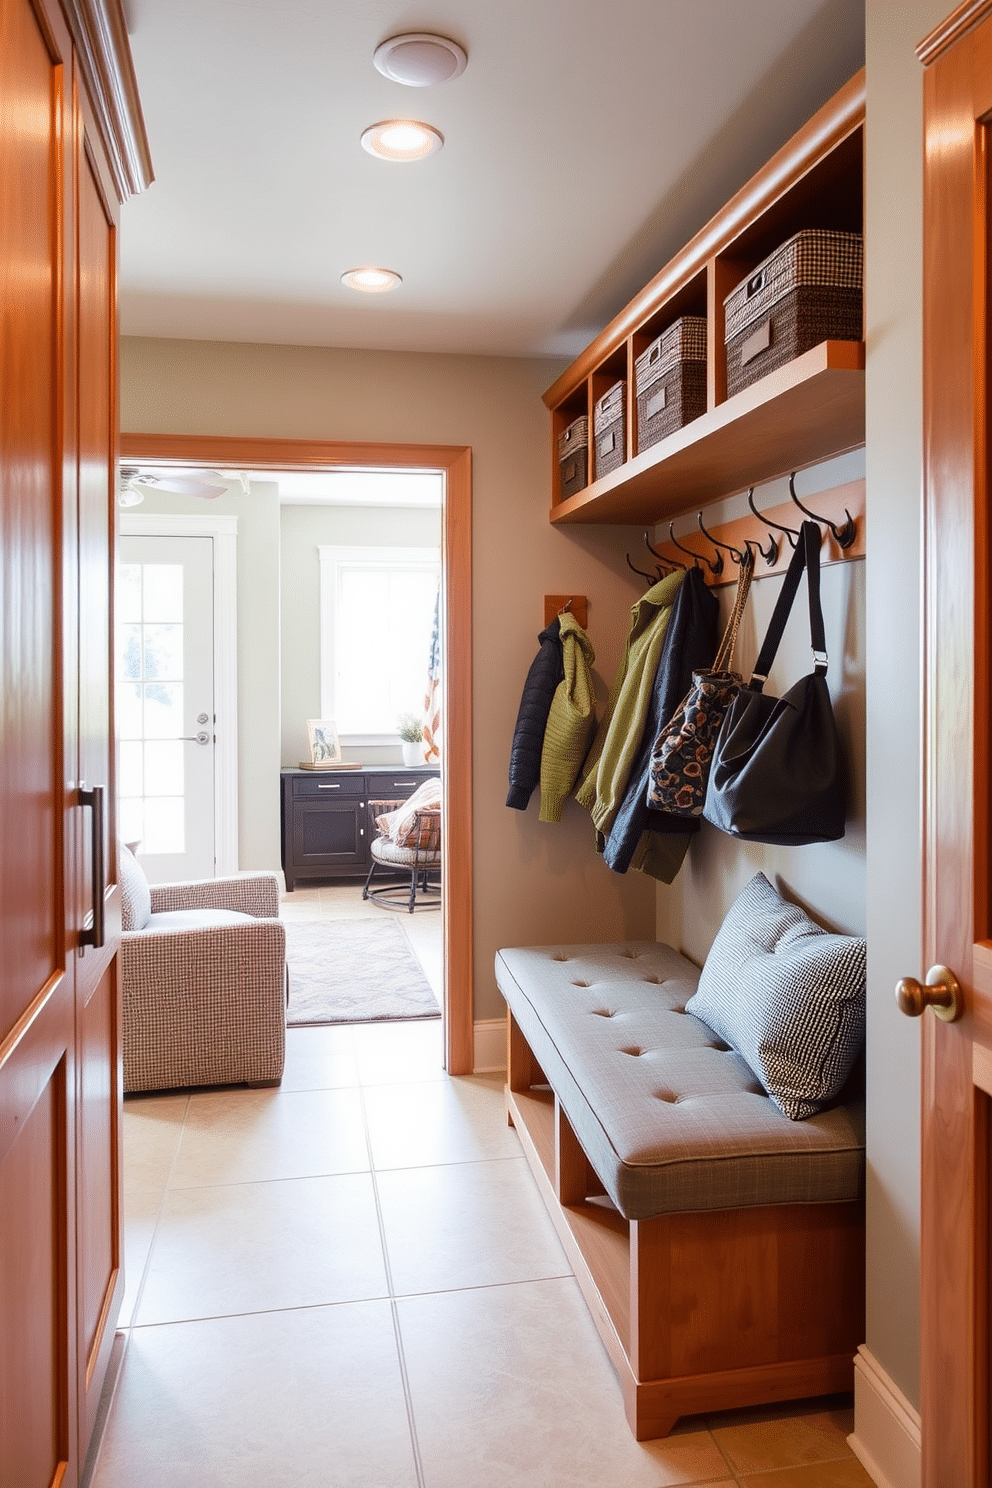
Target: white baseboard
490 1046
886 1438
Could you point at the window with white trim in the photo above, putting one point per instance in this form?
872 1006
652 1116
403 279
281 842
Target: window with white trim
376 616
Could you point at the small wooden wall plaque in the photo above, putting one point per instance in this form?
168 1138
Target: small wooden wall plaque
576 604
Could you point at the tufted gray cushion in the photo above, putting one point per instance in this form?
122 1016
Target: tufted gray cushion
136 899
788 996
670 1118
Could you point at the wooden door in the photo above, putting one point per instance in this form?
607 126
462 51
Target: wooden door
38 1442
957 1055
100 1278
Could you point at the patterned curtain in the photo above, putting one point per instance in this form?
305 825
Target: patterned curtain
432 696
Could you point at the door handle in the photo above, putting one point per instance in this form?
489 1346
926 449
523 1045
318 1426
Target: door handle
93 934
201 738
941 991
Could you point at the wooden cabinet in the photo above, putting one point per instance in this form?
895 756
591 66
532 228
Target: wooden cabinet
71 147
326 821
804 412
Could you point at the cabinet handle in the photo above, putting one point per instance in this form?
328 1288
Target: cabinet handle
93 936
328 787
406 782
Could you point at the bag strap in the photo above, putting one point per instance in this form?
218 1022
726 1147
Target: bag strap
725 653
806 556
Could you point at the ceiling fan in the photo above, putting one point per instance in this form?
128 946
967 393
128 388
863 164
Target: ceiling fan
135 480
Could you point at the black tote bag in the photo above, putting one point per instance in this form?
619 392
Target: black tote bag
778 772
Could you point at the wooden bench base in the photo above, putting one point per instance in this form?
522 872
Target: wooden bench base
698 1312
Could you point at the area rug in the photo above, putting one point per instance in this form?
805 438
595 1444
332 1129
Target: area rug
354 971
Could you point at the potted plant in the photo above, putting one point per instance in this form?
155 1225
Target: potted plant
412 734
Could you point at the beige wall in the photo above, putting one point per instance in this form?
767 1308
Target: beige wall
534 882
827 878
303 528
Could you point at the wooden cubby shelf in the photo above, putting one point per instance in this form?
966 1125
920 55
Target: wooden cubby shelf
794 417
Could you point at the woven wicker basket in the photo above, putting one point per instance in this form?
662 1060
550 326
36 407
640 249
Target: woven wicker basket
670 380
807 291
608 430
573 456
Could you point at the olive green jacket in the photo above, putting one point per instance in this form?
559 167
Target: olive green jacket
571 721
611 759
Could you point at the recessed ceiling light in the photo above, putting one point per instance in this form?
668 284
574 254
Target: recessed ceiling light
402 139
420 59
372 281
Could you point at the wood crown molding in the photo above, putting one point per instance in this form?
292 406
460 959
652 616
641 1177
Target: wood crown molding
838 118
957 24
99 35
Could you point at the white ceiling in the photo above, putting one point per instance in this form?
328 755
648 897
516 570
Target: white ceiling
584 143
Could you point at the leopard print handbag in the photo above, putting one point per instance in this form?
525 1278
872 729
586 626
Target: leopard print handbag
683 750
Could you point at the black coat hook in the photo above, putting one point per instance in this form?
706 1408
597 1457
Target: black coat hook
735 553
843 536
662 557
791 533
771 555
651 578
715 565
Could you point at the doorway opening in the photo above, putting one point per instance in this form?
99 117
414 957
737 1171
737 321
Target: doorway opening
453 463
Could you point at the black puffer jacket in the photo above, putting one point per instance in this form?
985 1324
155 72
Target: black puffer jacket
546 671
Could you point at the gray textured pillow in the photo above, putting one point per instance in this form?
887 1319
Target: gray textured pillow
787 995
136 899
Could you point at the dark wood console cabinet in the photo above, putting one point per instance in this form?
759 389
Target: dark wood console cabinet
326 822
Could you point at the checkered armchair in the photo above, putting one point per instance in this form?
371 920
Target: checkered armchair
203 967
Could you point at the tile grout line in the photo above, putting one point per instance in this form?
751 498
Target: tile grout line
106 1409
158 1216
393 1309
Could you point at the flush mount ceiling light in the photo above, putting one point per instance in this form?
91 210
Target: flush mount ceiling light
371 281
420 59
402 139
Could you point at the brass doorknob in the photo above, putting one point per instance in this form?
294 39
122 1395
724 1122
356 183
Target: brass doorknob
941 992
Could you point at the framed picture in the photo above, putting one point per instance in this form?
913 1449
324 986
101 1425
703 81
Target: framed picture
325 747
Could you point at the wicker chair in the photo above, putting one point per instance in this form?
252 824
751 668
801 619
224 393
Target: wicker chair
203 969
421 859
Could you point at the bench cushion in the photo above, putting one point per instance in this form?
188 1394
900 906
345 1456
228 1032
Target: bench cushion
669 1116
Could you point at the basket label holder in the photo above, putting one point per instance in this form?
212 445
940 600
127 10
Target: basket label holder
756 343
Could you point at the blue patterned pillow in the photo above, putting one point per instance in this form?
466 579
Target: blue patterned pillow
787 995
136 899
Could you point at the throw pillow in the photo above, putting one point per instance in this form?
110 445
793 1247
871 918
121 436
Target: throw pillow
787 995
400 826
136 899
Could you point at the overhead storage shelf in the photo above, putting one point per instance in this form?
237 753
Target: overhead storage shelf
806 410
801 413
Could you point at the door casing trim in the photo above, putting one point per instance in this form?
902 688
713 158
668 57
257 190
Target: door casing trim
455 462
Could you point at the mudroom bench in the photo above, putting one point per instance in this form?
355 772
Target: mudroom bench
719 1245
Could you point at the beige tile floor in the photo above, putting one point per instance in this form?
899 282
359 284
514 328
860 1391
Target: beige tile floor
351 1282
